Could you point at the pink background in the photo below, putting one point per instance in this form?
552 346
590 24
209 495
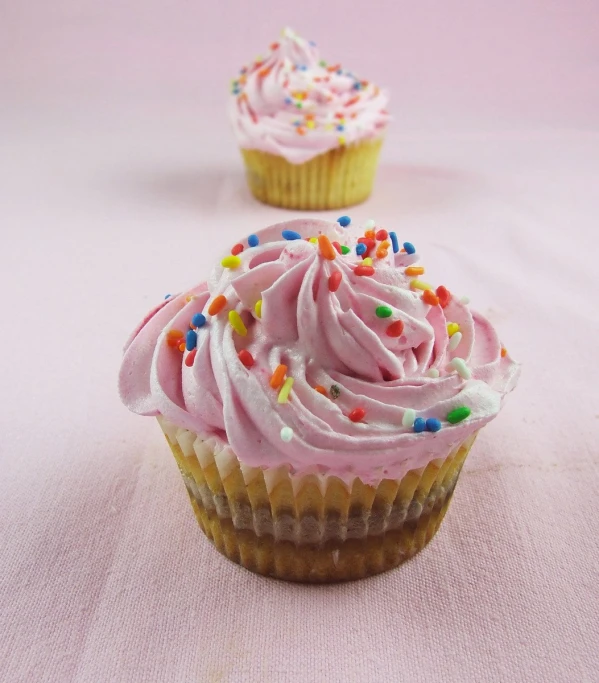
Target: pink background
120 182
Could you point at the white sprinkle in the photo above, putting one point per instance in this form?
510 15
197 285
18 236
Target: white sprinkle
454 340
286 434
408 417
433 372
459 365
369 224
465 300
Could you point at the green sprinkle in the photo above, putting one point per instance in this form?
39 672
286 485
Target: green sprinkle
383 312
299 105
345 250
458 414
322 63
335 391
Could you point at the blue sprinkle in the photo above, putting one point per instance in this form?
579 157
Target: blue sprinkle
340 72
312 43
288 100
409 247
360 249
344 221
291 235
191 340
394 242
419 425
253 240
297 123
433 425
198 320
167 296
357 85
236 91
302 67
340 127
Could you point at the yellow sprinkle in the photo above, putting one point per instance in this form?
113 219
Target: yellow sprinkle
258 308
285 389
237 323
341 140
452 328
367 261
328 126
231 262
418 284
190 297
314 240
310 124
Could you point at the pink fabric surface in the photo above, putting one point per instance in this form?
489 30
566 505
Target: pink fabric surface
121 183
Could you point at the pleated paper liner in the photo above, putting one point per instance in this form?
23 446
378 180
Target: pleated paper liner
311 528
339 178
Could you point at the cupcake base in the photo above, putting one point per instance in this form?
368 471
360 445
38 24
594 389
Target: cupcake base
338 178
312 528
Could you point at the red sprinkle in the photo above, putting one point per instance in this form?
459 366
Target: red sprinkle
429 298
246 358
364 270
444 295
395 329
382 235
237 249
190 357
337 247
357 414
370 244
335 281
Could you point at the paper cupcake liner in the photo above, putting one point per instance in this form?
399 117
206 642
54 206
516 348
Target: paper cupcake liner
311 528
338 178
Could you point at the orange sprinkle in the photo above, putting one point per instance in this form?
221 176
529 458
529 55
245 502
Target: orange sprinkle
320 389
381 252
174 334
301 130
385 244
503 352
351 101
402 251
182 347
264 72
430 297
278 376
414 270
217 305
335 67
309 117
326 248
370 234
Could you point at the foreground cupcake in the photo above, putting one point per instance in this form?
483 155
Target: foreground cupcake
319 397
310 132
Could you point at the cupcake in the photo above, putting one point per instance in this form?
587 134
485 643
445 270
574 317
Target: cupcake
310 132
319 397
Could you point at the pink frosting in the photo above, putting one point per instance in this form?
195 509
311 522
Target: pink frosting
324 338
294 105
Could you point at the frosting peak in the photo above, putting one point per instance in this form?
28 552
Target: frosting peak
293 104
299 351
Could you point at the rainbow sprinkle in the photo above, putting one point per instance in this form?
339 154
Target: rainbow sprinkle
285 390
237 323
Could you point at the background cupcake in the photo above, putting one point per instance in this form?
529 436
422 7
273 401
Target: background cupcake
310 132
319 397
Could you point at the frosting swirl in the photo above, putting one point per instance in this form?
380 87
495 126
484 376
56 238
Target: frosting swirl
295 105
372 342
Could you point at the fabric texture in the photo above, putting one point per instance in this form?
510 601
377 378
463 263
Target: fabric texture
121 182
